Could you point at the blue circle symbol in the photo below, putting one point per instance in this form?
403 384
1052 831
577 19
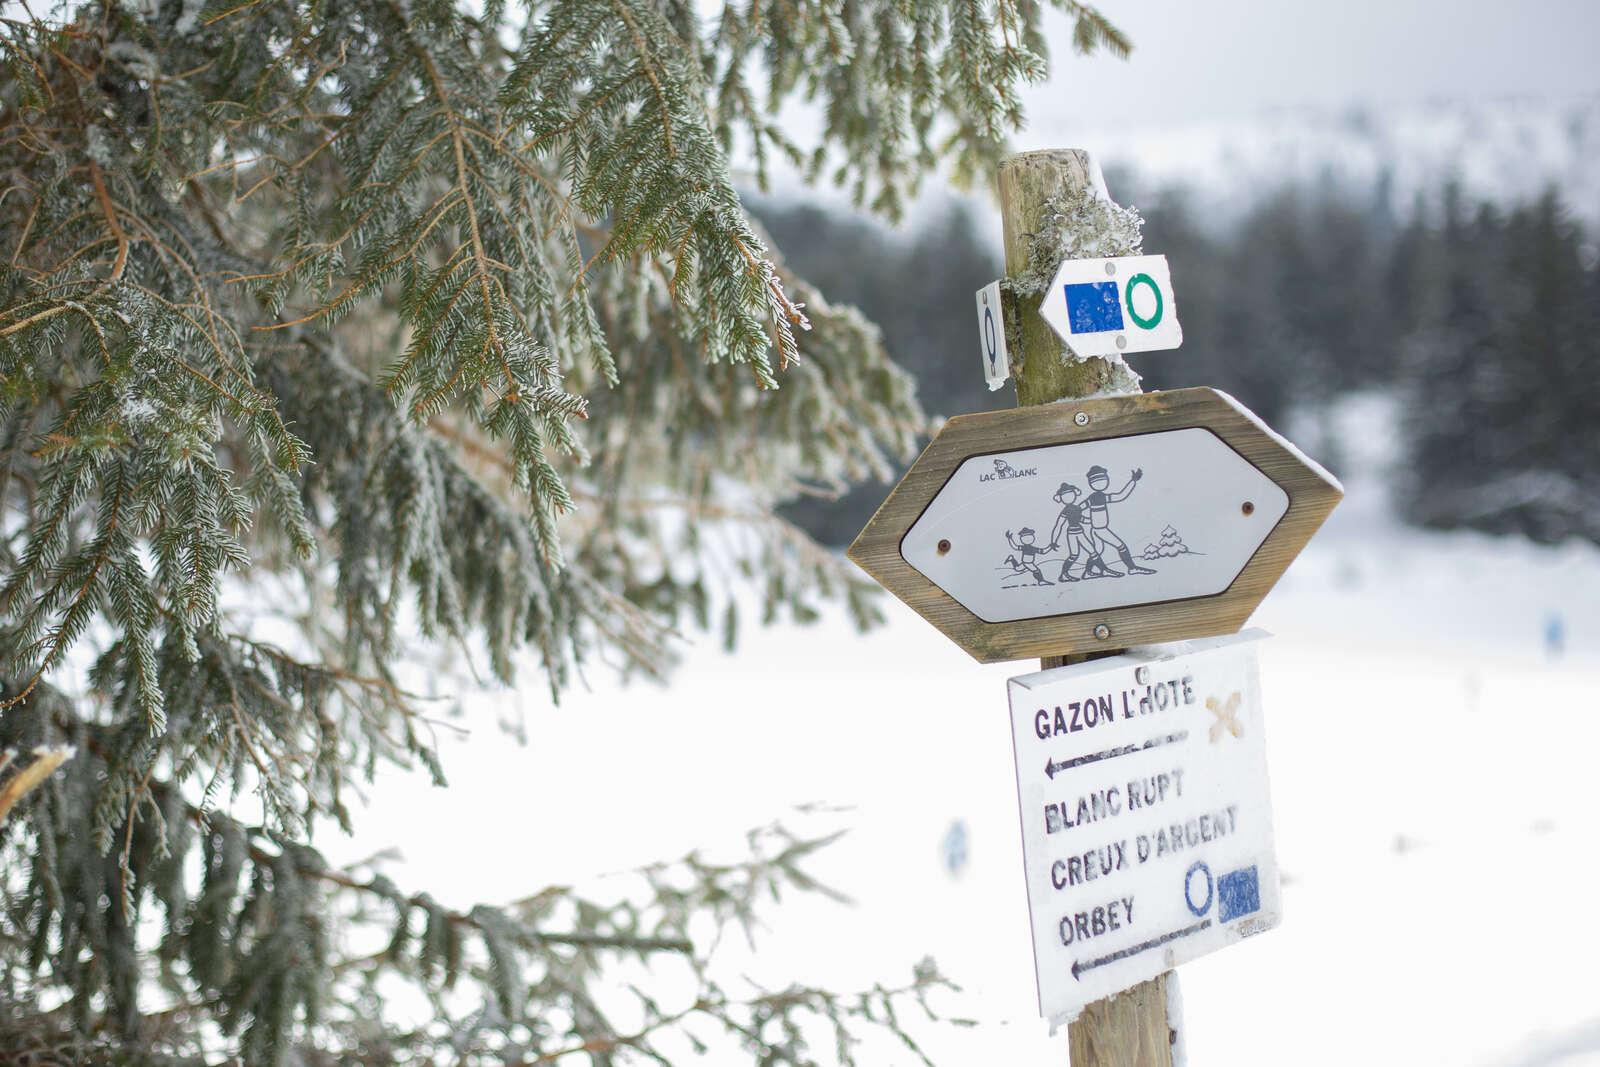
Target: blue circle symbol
1188 888
988 336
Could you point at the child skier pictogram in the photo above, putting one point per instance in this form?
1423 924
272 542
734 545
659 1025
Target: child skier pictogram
1022 561
1098 505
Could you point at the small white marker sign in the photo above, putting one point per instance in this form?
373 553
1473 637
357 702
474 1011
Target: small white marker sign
992 337
1146 823
1104 307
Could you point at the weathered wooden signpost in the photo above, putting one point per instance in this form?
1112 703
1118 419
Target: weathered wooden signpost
1092 520
1097 525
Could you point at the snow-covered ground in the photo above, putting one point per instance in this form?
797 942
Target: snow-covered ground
1433 770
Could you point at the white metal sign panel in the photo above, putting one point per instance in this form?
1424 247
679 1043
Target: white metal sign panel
1103 307
992 337
1146 822
1063 529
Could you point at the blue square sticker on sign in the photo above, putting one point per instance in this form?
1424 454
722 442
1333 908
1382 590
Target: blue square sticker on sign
1113 307
1093 307
1238 893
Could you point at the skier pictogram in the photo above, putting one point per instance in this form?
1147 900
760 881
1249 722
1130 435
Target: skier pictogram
1082 534
1079 541
1022 559
1098 505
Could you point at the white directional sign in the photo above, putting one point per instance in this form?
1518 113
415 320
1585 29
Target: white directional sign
1102 307
1146 824
1099 524
992 337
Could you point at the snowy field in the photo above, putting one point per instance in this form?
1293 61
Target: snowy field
1433 770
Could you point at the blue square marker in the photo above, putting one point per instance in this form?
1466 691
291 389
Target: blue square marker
1093 307
1238 893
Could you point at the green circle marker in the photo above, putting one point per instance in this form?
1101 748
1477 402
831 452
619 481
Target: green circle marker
1155 317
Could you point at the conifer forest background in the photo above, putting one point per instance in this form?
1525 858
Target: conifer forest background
1481 319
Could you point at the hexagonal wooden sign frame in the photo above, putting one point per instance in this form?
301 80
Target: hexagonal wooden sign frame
1312 494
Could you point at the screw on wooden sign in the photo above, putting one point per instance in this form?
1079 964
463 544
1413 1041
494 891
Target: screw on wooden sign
1104 307
1146 834
1057 529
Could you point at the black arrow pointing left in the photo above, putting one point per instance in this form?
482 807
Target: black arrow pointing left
1143 946
1052 767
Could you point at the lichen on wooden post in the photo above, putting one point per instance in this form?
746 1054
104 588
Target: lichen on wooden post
1053 208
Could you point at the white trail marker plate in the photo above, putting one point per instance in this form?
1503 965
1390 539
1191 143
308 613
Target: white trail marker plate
1104 307
1146 822
1101 524
1095 524
992 337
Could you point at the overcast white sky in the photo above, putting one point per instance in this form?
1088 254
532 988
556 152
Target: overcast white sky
1207 59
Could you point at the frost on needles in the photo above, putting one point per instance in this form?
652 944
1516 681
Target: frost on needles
341 338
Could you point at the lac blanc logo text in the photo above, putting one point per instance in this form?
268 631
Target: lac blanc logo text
1003 470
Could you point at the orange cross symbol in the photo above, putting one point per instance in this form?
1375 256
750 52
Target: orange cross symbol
1227 717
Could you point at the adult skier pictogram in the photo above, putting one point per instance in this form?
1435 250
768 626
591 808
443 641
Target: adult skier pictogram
1079 543
1098 505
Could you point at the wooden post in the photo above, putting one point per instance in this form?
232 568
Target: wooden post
1132 1029
1027 180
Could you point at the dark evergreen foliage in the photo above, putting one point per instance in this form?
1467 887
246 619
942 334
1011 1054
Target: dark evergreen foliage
337 339
917 287
1502 372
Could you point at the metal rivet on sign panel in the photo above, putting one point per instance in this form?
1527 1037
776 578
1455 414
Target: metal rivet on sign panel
1111 268
1141 675
944 547
1122 342
1102 631
1081 418
1248 508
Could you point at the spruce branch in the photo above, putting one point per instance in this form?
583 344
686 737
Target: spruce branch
339 340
